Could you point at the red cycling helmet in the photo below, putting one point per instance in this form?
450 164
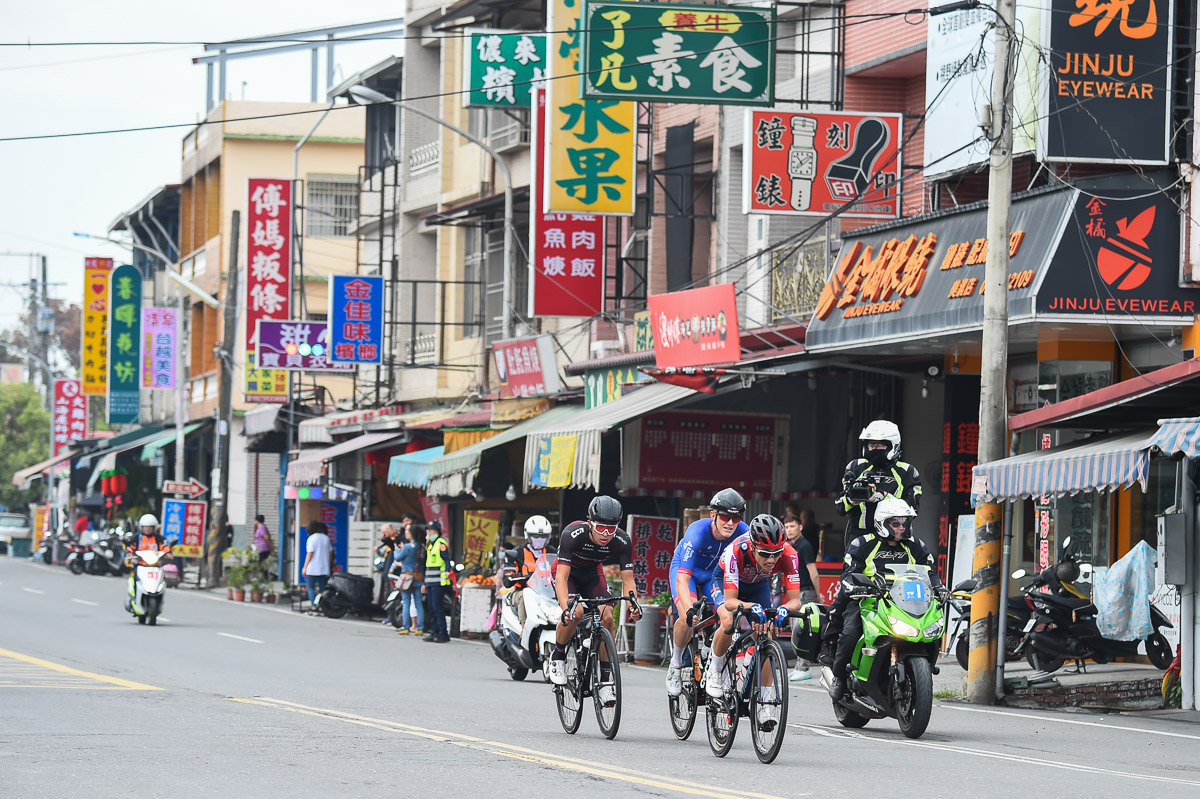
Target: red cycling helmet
766 533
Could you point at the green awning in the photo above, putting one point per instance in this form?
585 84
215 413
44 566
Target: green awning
151 448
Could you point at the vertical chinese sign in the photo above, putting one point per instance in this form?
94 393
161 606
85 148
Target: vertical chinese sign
159 336
500 68
591 142
653 540
70 420
568 249
480 528
96 272
125 339
356 319
184 520
268 278
960 451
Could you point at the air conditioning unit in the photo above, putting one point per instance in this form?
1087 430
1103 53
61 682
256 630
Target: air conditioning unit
603 349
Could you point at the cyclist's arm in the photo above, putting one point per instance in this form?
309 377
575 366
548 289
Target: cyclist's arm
629 587
683 586
561 591
789 569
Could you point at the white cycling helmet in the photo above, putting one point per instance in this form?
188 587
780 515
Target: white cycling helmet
148 520
891 508
882 430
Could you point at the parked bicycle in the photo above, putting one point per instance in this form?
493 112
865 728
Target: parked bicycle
703 621
755 683
592 668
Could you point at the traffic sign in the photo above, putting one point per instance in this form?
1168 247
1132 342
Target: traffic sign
193 487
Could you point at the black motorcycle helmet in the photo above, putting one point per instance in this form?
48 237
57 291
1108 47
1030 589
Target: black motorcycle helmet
604 510
728 501
1067 571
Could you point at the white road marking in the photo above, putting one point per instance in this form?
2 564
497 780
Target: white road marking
85 602
1058 720
164 619
33 590
242 638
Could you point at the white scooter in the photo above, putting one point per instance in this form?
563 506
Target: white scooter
147 585
528 649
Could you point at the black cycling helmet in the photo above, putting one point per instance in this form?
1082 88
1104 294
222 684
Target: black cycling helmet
727 501
604 510
766 533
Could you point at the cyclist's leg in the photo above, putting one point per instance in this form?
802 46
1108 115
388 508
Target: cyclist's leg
566 625
721 637
682 631
759 593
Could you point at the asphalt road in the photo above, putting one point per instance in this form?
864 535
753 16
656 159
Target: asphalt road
225 699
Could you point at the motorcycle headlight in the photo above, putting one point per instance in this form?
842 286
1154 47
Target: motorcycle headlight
902 627
932 631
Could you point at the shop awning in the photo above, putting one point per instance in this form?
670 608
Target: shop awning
451 475
31 473
306 470
1124 405
584 431
1177 436
151 448
260 420
121 443
412 469
1097 464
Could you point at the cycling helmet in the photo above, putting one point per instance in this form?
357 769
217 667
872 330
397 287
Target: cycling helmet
148 520
766 533
881 430
891 508
604 510
728 501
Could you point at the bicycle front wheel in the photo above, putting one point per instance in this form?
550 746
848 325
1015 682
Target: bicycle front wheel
606 683
569 697
722 714
683 707
769 702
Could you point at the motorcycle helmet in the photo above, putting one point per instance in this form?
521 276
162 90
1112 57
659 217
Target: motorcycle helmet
728 501
604 510
1067 571
885 431
148 520
537 531
891 508
766 533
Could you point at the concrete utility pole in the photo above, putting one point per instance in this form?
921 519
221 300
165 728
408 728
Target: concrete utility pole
220 478
993 410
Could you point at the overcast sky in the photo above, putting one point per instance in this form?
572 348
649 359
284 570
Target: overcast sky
54 187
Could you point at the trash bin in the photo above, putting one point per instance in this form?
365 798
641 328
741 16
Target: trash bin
59 551
647 644
20 548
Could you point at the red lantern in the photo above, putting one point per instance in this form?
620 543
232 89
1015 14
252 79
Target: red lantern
120 484
106 485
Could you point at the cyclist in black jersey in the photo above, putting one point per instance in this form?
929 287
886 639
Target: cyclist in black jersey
584 548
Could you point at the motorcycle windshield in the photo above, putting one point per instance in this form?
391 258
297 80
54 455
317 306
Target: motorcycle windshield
542 580
910 589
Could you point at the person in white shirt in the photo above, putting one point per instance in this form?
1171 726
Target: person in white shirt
318 563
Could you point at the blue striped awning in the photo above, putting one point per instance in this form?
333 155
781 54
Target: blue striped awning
1178 435
1097 464
412 469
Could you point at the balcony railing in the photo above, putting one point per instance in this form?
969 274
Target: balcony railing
424 160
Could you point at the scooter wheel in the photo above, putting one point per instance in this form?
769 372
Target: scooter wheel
517 674
141 619
76 567
1158 649
332 608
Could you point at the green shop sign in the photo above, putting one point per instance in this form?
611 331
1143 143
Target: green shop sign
500 68
605 385
670 52
124 344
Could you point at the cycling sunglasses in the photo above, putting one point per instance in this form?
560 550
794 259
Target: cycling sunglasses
767 554
729 517
604 529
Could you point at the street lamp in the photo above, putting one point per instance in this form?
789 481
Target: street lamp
364 95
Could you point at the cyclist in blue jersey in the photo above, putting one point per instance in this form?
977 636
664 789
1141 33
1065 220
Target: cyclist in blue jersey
692 568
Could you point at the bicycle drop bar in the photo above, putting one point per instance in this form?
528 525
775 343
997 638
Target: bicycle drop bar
743 610
575 600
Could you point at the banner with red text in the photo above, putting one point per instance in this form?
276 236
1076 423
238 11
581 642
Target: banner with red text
70 420
696 327
268 275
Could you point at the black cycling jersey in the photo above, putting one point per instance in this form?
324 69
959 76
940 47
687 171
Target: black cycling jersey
577 549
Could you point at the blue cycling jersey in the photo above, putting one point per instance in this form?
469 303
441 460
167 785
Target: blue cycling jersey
699 552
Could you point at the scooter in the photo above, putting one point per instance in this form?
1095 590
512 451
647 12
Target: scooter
528 649
347 593
147 585
108 555
1019 613
78 557
1063 626
891 673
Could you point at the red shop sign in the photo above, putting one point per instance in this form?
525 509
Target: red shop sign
698 453
526 367
653 540
696 327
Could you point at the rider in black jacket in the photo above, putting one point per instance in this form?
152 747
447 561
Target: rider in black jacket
878 473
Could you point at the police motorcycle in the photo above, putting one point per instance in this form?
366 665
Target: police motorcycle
528 649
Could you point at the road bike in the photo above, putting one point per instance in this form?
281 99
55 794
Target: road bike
592 668
755 682
683 708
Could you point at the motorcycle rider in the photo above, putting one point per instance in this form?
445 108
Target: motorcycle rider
150 538
877 474
519 564
892 542
692 567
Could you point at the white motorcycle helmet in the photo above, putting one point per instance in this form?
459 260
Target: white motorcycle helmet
537 531
148 520
881 430
892 508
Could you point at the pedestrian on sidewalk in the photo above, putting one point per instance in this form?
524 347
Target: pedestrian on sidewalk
409 563
437 582
262 539
808 583
318 562
387 544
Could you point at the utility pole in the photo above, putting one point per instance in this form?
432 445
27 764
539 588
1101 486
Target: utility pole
220 478
993 410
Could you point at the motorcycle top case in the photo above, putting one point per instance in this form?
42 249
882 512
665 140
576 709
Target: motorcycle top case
806 634
359 590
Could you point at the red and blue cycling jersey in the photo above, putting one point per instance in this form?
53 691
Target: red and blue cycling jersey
739 570
698 555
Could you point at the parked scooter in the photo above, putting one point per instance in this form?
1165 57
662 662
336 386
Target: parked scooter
78 557
347 593
528 649
147 585
108 555
1063 626
1019 613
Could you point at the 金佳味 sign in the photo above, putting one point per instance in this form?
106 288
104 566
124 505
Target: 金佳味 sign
295 344
268 275
159 334
124 344
500 68
806 163
696 327
70 419
356 318
94 363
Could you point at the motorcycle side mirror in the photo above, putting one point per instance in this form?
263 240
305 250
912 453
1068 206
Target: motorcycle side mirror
1066 542
1018 574
1085 568
459 567
862 579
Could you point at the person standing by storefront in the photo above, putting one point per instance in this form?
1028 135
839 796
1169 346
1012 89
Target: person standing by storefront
808 583
408 562
437 582
318 562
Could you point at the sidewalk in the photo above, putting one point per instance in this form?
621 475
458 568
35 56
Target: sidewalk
1108 686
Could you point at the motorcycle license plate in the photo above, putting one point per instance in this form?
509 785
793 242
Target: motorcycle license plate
89 555
151 574
317 600
1029 624
914 591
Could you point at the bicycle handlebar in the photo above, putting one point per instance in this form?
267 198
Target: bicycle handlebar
574 600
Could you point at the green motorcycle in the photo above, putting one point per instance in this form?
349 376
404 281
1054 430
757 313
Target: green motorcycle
891 673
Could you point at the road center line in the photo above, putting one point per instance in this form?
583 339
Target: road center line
242 638
1057 720
33 590
85 602
510 750
46 664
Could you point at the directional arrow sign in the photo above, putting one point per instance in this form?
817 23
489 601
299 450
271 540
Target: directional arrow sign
193 487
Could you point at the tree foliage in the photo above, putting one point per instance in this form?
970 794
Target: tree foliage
24 441
64 341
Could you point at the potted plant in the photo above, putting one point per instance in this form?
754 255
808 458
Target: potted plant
236 579
256 587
